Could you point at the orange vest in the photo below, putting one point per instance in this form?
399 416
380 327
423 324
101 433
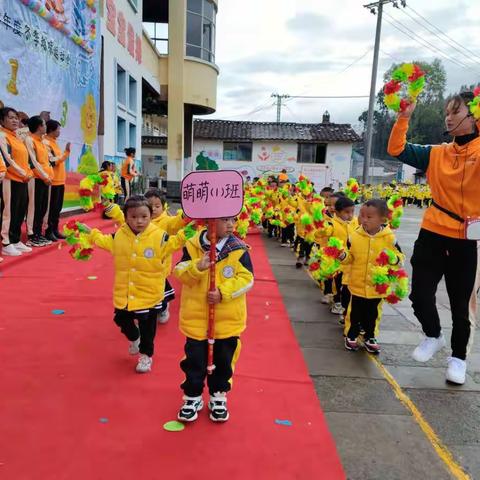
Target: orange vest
19 154
41 154
126 174
59 174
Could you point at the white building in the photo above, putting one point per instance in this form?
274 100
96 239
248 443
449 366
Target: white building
321 151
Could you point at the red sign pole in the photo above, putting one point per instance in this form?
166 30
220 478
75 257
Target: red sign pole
212 233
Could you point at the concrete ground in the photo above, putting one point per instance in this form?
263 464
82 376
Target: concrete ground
376 436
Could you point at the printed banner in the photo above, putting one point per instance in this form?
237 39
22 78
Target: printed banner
50 61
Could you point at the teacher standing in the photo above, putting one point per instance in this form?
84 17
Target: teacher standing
442 248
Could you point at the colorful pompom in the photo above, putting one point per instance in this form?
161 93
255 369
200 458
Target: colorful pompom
407 83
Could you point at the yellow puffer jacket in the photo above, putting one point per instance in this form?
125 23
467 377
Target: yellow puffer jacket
165 221
141 264
301 209
363 250
234 278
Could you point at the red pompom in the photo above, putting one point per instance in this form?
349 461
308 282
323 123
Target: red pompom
243 216
392 299
319 223
72 225
314 266
84 192
383 259
398 203
354 189
333 252
382 288
404 104
476 92
308 228
391 87
417 73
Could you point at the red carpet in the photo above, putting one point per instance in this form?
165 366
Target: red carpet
72 406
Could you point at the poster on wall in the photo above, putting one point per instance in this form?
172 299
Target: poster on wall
50 62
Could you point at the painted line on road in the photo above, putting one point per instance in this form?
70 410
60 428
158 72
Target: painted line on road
440 448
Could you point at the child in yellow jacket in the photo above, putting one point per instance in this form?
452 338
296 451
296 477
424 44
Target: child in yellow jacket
340 226
160 218
141 252
234 278
364 246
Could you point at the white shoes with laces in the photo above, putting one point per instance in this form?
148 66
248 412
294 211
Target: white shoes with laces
144 364
21 247
10 251
456 371
428 347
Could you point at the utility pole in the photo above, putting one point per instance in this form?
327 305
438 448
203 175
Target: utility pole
279 104
377 9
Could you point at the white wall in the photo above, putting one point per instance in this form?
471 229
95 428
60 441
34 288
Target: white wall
115 53
408 173
275 156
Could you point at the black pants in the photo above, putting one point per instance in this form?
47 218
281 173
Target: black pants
13 209
194 365
288 233
126 187
436 256
57 193
272 230
147 327
346 296
305 249
328 286
41 205
337 297
363 313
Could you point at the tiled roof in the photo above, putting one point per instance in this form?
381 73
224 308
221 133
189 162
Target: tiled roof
298 132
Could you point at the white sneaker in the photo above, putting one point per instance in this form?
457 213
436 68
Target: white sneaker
133 348
21 247
190 408
428 347
337 309
326 299
163 317
218 407
456 370
10 251
144 364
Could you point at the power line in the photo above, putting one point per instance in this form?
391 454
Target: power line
328 96
425 43
450 44
355 61
443 33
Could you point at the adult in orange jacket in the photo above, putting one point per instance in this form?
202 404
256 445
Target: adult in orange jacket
444 248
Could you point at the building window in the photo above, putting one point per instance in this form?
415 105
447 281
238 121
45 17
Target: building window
201 29
237 151
132 135
311 153
132 94
121 134
121 85
158 33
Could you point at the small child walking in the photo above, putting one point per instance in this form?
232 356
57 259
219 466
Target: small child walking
234 278
141 252
364 246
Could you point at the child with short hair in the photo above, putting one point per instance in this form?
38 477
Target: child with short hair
234 278
171 224
363 248
340 226
141 252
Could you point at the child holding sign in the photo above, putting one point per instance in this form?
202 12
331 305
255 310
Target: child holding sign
141 252
234 278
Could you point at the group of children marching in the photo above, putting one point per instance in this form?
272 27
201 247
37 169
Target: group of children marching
142 248
306 221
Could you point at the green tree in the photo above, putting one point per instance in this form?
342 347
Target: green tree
205 163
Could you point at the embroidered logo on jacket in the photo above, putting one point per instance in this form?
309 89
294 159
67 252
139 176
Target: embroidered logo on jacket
228 271
148 253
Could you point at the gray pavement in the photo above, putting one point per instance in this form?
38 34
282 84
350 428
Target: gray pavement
376 436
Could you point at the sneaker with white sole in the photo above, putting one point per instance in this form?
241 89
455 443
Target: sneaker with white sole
428 347
44 240
21 247
351 345
34 241
371 346
190 408
163 317
456 371
337 309
144 364
10 251
326 299
218 407
134 347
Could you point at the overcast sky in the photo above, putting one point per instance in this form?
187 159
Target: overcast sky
307 47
